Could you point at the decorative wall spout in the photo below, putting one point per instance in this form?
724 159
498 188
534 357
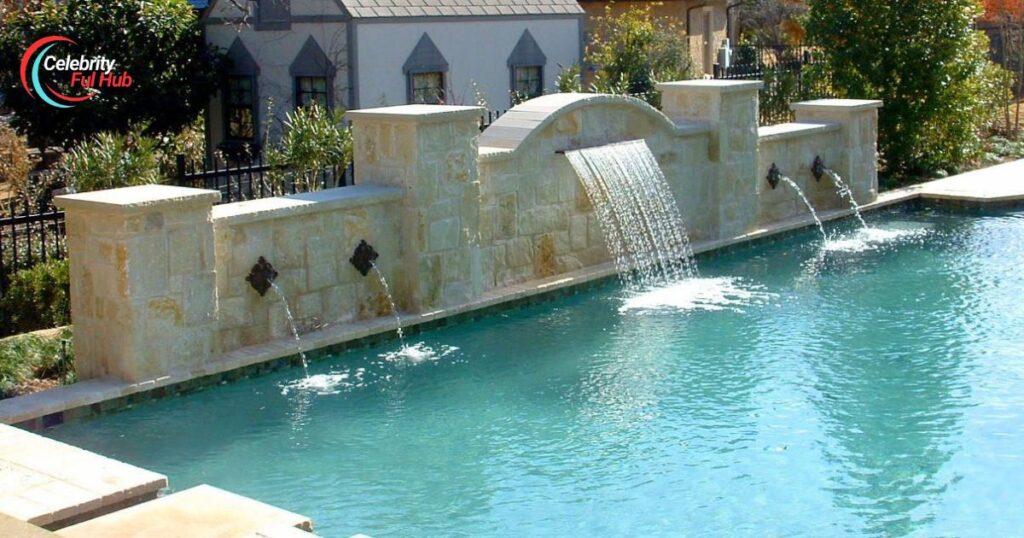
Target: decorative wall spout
363 257
774 176
261 276
818 168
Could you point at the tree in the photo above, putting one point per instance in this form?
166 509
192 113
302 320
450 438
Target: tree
771 23
1007 16
924 60
158 42
634 50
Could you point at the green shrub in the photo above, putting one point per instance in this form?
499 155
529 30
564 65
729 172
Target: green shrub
110 160
158 42
635 50
924 60
28 357
314 139
38 298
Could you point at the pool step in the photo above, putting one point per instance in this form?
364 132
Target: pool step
53 485
200 511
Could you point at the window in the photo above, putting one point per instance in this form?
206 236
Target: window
529 81
273 14
526 69
240 108
309 90
428 88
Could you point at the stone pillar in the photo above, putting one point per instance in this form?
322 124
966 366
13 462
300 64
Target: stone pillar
730 107
858 164
143 288
430 151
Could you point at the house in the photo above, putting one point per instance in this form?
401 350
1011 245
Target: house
706 23
369 53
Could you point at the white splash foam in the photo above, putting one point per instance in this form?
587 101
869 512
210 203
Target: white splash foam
868 238
322 384
709 294
418 353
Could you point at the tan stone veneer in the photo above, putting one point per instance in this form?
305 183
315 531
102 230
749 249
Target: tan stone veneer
158 277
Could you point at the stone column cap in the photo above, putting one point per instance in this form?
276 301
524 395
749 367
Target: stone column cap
418 113
837 105
711 85
139 199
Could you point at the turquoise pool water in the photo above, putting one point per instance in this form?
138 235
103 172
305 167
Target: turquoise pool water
850 392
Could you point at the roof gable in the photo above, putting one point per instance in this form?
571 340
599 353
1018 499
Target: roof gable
459 8
425 58
527 52
242 62
312 61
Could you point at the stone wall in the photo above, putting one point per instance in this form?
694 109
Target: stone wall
158 275
535 218
309 240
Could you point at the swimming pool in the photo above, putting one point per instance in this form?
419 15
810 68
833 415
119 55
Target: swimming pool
868 389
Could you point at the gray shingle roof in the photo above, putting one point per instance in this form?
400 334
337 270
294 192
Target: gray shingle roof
454 8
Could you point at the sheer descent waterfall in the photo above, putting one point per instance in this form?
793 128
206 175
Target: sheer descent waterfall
642 226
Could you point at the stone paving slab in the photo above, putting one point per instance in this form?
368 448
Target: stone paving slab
1002 183
50 484
16 528
200 511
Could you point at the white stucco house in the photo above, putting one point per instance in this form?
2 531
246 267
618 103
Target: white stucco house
368 53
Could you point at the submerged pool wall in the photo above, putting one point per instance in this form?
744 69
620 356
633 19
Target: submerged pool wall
158 274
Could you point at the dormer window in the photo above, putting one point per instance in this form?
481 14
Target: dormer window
426 72
526 69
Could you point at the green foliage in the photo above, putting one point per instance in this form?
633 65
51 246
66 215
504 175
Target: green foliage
109 161
635 49
313 139
158 42
924 60
190 142
569 79
27 357
38 298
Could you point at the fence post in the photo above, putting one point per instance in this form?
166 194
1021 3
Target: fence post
179 161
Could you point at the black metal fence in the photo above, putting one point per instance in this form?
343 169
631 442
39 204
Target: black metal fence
257 179
28 237
790 74
489 117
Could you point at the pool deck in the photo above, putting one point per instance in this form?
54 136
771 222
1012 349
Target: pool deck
51 484
200 511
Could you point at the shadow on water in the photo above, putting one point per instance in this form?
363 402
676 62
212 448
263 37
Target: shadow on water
894 417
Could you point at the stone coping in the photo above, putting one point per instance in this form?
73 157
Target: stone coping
417 113
49 483
517 126
51 407
303 204
712 85
200 511
787 131
137 199
850 105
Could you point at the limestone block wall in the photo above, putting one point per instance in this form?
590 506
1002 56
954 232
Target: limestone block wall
308 239
158 274
536 220
430 152
793 147
142 280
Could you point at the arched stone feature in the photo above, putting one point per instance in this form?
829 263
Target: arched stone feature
535 216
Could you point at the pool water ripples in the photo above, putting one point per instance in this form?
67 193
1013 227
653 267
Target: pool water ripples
797 391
